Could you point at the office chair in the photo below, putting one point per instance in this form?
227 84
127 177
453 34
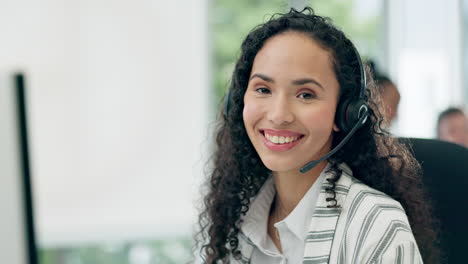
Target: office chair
445 175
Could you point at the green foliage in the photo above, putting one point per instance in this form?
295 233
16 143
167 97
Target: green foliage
166 251
232 20
364 32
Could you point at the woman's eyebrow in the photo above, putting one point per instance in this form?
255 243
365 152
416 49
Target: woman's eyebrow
263 77
301 81
306 80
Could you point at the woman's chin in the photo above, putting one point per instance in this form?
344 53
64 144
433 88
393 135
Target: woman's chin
276 166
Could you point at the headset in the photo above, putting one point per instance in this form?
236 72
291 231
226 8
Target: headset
351 113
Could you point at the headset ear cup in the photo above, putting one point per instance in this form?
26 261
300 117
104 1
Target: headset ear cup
349 112
353 112
341 116
356 110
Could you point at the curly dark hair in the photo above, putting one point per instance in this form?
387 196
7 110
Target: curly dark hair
376 158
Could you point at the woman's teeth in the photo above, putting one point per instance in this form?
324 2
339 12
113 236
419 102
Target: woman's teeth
280 139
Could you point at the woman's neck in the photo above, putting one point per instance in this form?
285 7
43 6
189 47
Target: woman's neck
291 186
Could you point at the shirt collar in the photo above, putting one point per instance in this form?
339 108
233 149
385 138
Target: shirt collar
299 219
255 221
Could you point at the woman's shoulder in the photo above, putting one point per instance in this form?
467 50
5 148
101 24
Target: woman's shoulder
371 223
372 211
364 200
360 195
355 196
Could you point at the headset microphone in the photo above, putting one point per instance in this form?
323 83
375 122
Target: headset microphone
314 163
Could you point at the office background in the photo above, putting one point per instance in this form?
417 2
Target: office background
123 97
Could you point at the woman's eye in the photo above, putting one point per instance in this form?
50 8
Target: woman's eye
263 90
306 96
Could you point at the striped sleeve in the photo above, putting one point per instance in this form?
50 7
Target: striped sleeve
402 253
375 229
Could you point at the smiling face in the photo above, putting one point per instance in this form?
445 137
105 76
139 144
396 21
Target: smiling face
290 102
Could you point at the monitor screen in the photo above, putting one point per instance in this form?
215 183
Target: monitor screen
17 242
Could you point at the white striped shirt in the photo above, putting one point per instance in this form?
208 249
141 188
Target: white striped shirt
292 230
368 227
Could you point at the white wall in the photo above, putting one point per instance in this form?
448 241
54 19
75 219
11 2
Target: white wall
119 102
425 58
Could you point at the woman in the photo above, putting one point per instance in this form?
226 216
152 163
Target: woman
298 92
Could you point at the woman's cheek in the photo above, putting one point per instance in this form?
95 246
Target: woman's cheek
322 120
251 112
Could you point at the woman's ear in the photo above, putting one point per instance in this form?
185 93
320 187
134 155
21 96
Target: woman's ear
335 128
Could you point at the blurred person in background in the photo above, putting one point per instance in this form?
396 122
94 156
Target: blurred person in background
389 94
298 91
452 126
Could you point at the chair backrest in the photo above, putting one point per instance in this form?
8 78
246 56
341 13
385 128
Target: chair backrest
445 175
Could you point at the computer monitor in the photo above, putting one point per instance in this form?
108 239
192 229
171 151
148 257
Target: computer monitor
17 241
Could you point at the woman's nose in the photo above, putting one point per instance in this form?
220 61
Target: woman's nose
280 112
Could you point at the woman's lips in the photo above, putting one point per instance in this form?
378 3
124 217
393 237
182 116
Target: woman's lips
280 136
284 133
